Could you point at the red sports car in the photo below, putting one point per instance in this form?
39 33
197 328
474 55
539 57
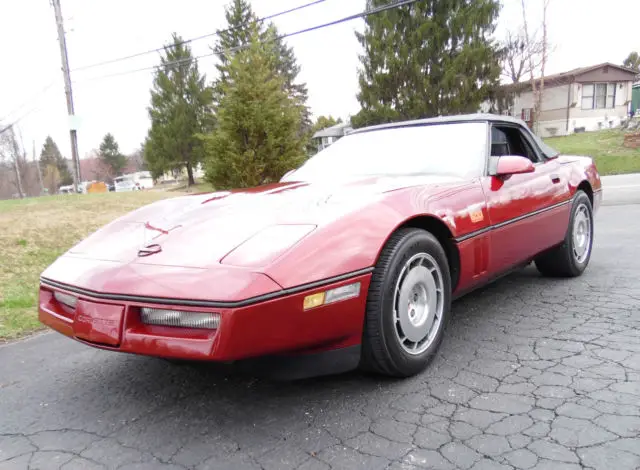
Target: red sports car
351 260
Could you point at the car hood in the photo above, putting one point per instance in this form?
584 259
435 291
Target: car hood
198 231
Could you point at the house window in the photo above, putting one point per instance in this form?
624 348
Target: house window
598 95
526 114
611 95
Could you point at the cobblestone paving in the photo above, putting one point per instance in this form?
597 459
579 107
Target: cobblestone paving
533 374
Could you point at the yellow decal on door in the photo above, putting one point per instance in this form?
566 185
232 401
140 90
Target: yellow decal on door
476 216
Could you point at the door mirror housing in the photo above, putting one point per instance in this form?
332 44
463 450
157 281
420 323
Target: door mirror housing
513 165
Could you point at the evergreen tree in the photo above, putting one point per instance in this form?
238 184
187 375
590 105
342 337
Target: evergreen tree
179 111
325 121
240 18
287 65
51 179
433 57
50 156
111 157
256 138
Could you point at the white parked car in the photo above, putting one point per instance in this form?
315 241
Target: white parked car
133 181
66 189
125 183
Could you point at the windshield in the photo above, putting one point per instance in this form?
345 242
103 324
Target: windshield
456 149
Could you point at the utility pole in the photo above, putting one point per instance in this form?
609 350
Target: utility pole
35 158
69 93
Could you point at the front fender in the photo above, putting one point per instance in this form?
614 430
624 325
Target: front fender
354 241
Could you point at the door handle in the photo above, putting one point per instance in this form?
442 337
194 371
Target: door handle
555 178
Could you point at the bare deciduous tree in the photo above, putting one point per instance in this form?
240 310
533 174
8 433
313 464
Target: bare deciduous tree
136 159
520 55
538 91
11 154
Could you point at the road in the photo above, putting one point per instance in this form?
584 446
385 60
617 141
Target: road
533 373
622 189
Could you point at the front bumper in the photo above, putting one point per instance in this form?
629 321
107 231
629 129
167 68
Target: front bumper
275 326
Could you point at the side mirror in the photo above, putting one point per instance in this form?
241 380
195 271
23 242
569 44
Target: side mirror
513 165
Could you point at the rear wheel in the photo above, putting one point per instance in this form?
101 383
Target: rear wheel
408 305
571 258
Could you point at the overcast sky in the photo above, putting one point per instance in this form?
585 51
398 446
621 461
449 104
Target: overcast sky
584 32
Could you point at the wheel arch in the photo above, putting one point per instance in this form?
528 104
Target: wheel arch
586 187
443 234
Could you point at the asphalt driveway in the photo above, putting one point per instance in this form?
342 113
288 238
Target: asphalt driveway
533 373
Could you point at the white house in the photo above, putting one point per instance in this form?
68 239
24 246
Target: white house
325 137
583 99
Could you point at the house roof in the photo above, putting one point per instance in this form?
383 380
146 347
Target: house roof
337 130
571 75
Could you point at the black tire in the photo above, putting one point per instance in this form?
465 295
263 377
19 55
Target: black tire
561 261
381 348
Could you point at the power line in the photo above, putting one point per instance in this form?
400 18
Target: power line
362 14
16 121
152 67
356 16
187 41
29 100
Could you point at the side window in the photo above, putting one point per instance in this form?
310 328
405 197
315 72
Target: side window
509 140
499 143
528 150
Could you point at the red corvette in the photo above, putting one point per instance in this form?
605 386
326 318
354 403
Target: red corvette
351 260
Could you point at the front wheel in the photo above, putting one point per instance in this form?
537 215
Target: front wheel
571 258
408 304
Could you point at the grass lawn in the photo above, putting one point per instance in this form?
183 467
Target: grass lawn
200 187
35 231
605 146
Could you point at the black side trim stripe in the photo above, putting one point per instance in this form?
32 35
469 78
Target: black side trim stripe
204 303
512 221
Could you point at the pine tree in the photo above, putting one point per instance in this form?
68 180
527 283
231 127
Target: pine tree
429 58
180 110
111 157
256 138
240 18
50 156
51 179
325 121
287 65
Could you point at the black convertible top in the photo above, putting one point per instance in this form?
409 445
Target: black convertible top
476 117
